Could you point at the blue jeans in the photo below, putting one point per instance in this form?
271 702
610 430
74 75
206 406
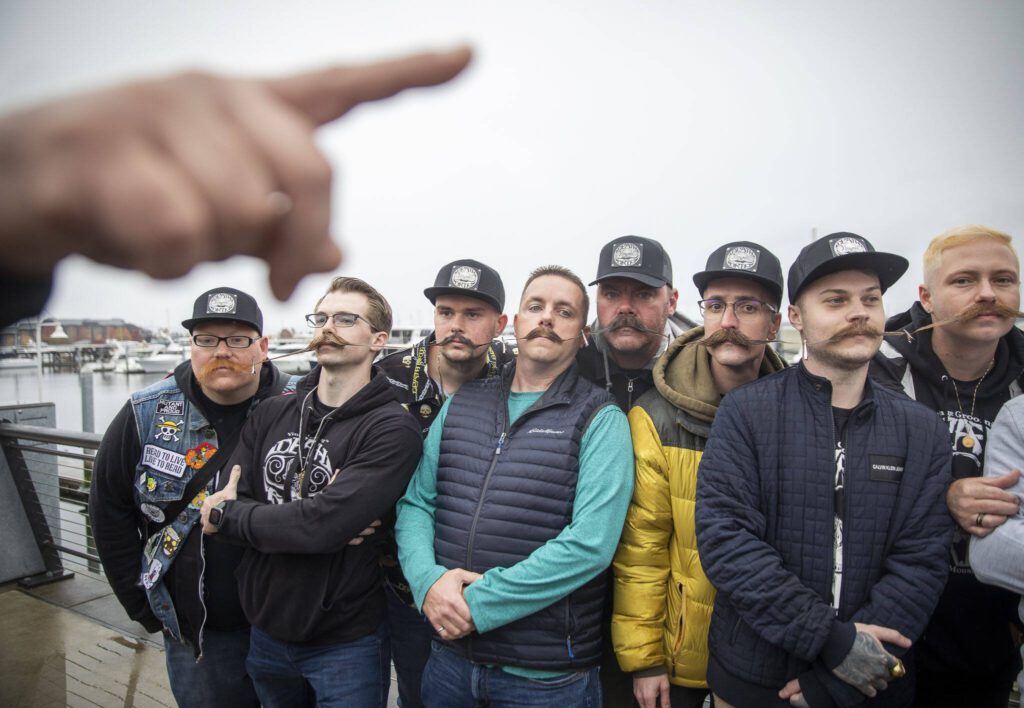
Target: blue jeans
352 674
410 647
219 679
450 681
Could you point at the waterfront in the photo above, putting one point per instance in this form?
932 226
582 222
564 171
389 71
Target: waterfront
64 390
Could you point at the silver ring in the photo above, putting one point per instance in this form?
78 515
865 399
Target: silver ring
279 203
980 520
440 630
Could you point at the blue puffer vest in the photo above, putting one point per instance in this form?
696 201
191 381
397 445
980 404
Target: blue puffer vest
505 490
176 441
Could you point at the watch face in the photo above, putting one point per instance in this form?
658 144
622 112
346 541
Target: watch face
216 514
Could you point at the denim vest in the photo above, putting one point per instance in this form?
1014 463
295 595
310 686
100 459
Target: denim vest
176 441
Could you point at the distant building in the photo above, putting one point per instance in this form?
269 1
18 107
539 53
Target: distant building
23 333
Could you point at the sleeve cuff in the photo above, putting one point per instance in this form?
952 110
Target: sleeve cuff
814 691
838 644
653 671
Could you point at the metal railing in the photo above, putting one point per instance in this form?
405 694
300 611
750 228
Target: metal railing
52 470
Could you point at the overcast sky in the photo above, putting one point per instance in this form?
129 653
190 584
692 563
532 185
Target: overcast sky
580 121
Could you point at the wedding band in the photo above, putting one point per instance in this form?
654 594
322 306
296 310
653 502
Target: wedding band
979 520
440 630
279 203
897 670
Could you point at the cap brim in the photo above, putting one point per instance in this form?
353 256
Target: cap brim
702 279
648 280
432 294
887 266
190 323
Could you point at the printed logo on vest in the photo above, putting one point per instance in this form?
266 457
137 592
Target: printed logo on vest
172 463
165 407
544 431
886 468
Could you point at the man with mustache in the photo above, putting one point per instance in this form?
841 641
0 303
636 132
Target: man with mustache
318 468
159 458
468 299
662 598
512 517
965 370
820 515
635 298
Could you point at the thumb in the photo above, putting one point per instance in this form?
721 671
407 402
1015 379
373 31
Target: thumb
236 474
327 94
1003 481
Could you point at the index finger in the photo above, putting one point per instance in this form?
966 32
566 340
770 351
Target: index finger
327 94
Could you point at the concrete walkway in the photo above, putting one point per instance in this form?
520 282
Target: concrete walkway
70 644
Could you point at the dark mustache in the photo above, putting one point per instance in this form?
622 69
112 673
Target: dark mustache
855 329
631 321
328 338
986 308
547 333
462 339
727 335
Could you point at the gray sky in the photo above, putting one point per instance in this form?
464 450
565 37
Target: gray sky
691 123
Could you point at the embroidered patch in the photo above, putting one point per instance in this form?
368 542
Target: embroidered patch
152 512
198 456
221 304
166 407
170 541
168 430
150 577
847 244
465 276
741 258
172 463
627 254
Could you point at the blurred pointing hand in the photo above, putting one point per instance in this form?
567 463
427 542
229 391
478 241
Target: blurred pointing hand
161 175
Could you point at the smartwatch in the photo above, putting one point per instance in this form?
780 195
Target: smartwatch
217 514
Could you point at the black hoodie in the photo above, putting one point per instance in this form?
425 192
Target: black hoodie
969 636
299 580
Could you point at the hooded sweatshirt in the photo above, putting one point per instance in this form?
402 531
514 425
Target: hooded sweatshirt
299 580
663 601
969 635
627 385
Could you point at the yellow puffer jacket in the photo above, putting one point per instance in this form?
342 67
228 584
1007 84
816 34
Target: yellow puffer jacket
663 600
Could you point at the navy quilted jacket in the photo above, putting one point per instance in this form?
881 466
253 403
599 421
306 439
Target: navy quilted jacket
765 525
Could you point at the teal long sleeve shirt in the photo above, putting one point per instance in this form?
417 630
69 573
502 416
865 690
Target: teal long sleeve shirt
583 549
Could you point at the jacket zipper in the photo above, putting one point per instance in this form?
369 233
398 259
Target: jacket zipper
629 390
505 429
679 627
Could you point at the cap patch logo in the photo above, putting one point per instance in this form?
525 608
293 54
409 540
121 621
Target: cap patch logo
846 245
221 304
625 255
464 276
741 258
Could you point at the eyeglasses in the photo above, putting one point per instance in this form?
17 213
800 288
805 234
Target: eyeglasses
744 308
235 341
341 319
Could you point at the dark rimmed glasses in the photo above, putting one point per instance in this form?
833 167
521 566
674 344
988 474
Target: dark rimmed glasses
235 341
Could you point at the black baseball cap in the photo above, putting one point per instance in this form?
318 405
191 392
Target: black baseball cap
635 257
743 259
843 251
470 278
226 304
